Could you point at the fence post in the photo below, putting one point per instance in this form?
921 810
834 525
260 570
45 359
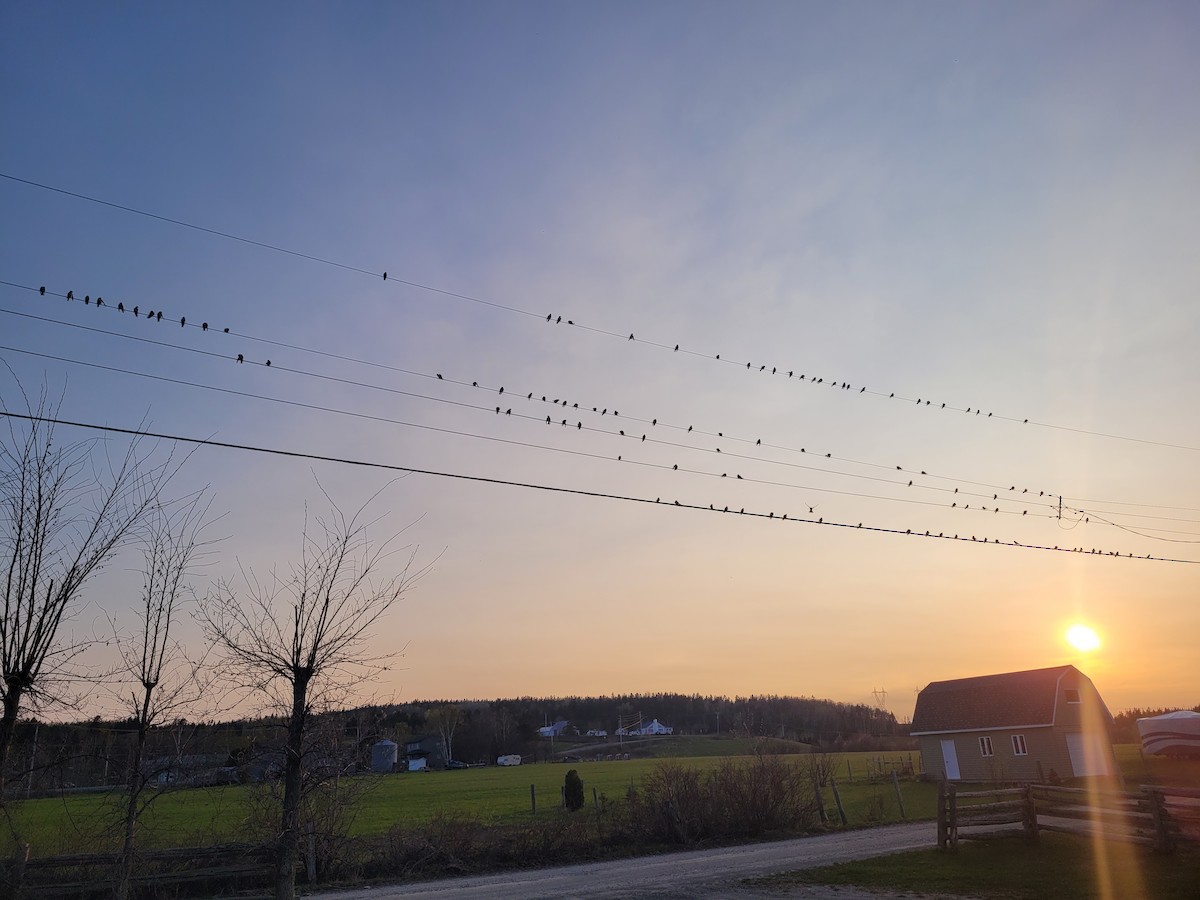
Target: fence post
1158 814
899 799
532 800
1029 815
941 814
952 815
820 800
310 857
837 798
20 858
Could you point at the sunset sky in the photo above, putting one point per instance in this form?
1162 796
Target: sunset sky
995 207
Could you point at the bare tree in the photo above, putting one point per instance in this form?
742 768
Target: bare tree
65 510
303 635
165 682
445 721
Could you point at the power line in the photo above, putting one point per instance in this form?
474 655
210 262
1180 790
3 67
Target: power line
296 454
526 444
996 490
551 318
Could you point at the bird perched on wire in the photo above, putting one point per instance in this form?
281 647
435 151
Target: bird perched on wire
99 301
241 358
182 319
158 316
120 307
70 295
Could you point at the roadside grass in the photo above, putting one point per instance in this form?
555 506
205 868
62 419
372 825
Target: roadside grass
494 795
1058 866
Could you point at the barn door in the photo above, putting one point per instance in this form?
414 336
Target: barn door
950 761
1087 754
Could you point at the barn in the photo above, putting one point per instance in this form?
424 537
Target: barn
1032 726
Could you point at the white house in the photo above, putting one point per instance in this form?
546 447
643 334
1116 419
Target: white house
555 730
656 727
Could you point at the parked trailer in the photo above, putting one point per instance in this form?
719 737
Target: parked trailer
511 760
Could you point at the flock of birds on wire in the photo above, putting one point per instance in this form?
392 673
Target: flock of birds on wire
157 316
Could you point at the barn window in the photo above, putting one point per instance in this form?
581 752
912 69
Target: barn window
1072 696
985 746
1019 748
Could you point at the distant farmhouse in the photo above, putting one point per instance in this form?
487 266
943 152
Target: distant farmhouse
1018 726
555 730
655 727
425 751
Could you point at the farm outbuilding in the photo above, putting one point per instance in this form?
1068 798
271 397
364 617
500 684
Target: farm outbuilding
1031 726
383 756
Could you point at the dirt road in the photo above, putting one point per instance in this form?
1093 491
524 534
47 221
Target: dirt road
709 874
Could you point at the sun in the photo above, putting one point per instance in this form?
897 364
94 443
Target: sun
1083 638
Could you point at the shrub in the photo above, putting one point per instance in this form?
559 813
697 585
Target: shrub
573 791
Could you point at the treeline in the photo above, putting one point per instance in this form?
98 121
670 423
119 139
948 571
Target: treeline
51 756
490 728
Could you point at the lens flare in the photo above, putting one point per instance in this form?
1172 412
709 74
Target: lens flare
1083 638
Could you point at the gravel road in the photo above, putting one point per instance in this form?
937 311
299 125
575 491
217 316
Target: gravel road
709 874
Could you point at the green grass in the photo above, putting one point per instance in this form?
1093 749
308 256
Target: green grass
496 794
1058 866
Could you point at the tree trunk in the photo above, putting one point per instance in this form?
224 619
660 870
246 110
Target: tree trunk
137 782
288 852
8 726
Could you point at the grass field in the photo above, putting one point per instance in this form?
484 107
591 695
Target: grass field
495 794
1059 866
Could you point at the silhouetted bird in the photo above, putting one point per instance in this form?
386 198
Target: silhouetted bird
87 300
762 368
268 362
385 276
439 375
240 358
135 312
474 384
570 321
508 412
149 314
227 331
758 442
811 510
530 397
100 302
631 335
121 307
862 390
558 321
497 410
578 426
654 422
204 326
675 467
42 290
158 316
828 455
549 316
676 348
622 434
502 389
718 356
910 482
689 429
182 319
739 478
70 295
643 439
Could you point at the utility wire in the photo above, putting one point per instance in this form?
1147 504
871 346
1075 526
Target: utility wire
526 444
557 320
653 422
296 454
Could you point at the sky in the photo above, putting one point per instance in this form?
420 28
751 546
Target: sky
992 207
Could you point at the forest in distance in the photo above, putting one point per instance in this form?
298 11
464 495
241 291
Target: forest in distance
93 752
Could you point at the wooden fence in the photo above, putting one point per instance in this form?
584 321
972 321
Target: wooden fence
1156 816
182 871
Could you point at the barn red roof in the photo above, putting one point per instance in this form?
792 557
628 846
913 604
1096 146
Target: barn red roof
989 701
